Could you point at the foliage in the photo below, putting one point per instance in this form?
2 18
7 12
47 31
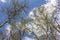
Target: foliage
14 10
43 24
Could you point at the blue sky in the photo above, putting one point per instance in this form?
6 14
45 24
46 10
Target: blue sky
32 4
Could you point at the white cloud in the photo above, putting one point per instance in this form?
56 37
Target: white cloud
52 2
3 1
27 38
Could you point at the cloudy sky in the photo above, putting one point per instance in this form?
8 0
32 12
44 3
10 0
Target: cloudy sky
32 4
